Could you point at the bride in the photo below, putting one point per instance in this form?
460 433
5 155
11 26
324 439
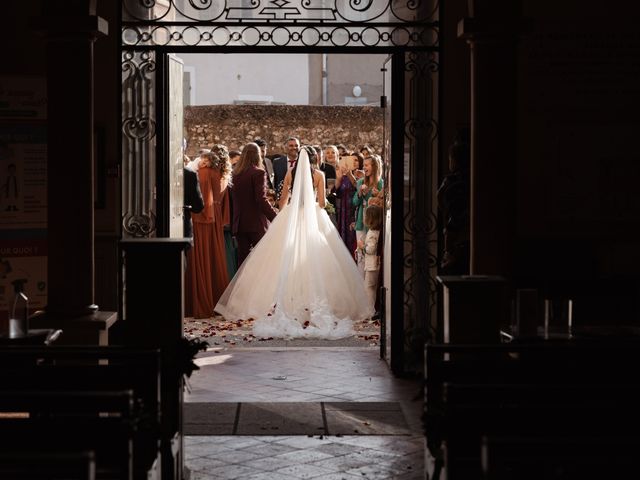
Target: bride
299 280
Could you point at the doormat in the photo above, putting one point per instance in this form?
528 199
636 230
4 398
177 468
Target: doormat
295 418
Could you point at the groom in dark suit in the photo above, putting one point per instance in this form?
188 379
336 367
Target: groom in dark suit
282 164
252 212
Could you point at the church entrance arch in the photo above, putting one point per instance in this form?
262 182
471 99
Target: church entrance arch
406 30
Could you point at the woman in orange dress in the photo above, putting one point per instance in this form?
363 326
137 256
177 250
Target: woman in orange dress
209 272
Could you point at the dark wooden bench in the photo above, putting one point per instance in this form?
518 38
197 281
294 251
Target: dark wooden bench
31 465
68 423
522 390
531 411
558 457
104 399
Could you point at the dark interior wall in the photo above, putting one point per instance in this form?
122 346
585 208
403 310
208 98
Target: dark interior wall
25 54
107 213
454 76
577 197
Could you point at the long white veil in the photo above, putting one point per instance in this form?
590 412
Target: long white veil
300 280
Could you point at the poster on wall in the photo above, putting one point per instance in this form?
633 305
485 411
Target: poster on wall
23 267
23 192
23 176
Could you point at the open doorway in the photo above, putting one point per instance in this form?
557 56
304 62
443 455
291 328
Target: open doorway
409 33
324 99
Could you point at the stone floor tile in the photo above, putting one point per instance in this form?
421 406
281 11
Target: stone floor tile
240 442
304 456
201 464
304 471
303 441
344 462
337 449
313 375
201 450
235 456
340 476
202 476
232 471
269 450
269 476
269 464
379 471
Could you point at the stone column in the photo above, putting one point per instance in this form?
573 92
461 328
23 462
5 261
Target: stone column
71 28
491 32
477 306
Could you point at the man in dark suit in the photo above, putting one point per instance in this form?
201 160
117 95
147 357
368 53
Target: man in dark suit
267 163
192 203
252 212
282 164
192 200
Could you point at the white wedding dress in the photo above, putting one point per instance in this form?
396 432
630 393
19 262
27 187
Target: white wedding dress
299 280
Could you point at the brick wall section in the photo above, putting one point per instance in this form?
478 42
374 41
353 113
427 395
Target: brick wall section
235 125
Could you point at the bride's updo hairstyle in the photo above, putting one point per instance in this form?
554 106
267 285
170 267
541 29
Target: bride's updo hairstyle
313 160
250 156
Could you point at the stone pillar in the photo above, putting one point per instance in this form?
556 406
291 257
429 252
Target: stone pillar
491 32
71 28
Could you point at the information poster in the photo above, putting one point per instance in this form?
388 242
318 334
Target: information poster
23 193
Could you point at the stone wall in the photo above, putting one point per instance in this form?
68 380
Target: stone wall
235 125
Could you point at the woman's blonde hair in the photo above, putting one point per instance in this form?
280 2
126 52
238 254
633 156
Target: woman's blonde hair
218 158
334 149
376 171
251 155
373 217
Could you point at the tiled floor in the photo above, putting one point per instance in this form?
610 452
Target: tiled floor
312 374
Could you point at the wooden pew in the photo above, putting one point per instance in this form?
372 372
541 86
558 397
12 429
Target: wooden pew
67 423
558 457
472 388
30 465
531 411
109 395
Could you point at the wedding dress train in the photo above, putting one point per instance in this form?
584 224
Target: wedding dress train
299 280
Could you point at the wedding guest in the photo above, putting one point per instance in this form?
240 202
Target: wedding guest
234 156
344 189
369 248
342 150
209 273
328 169
366 151
370 185
193 203
331 155
268 164
252 212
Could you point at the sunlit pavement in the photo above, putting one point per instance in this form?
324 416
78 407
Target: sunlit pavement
312 374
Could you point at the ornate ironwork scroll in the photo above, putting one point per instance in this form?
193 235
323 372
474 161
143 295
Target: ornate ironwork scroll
420 218
138 143
268 35
280 23
284 11
411 27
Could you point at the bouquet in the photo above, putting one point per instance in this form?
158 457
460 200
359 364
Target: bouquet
331 210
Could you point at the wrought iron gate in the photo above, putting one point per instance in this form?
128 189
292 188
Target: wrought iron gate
407 29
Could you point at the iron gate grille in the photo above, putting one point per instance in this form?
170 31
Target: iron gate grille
152 28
